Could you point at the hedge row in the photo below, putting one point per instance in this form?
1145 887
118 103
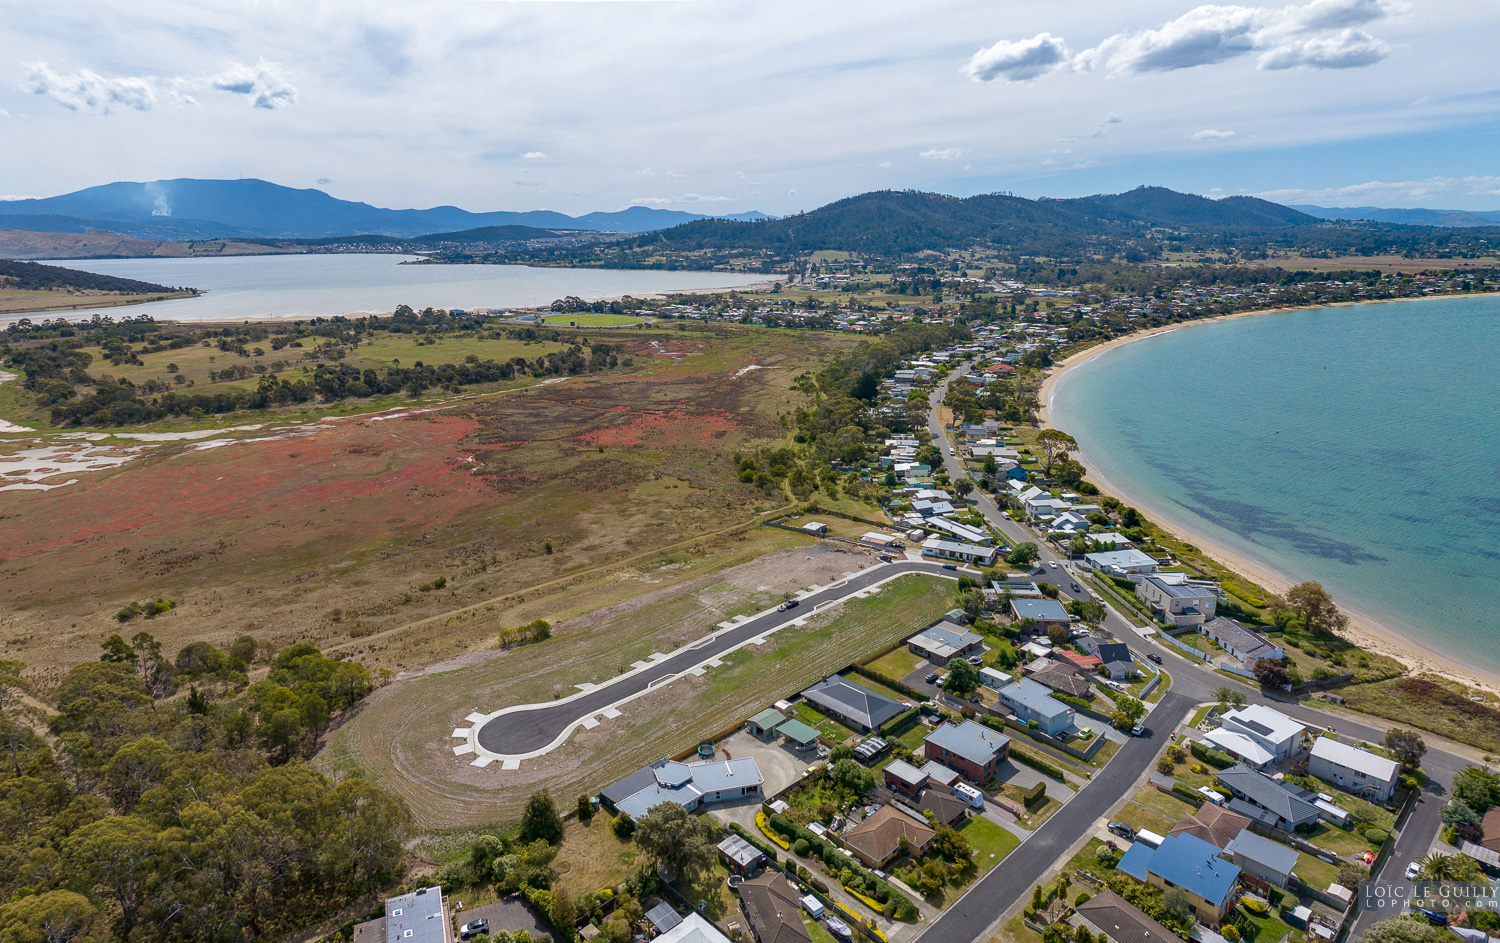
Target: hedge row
1214 758
1038 764
545 903
1072 701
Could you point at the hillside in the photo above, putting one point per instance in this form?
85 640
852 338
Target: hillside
31 276
209 209
1408 217
1140 225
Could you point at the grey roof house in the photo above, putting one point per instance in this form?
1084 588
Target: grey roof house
418 917
1262 858
854 704
944 641
690 785
1247 646
1272 802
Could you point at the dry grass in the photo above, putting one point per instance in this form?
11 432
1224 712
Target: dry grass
325 534
400 736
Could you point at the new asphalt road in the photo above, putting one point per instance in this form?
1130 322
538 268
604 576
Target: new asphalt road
537 726
972 916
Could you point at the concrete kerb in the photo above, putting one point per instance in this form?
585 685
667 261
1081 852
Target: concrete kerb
484 757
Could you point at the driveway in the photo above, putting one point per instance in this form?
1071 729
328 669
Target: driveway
510 915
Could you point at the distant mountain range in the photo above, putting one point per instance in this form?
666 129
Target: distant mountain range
187 209
1407 217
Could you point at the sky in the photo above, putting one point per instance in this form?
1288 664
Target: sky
723 106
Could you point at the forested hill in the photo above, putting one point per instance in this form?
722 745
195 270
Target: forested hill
1138 225
33 276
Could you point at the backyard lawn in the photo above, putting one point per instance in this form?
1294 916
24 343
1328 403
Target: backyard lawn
1168 805
1338 841
896 664
990 842
1315 872
1138 818
592 857
824 724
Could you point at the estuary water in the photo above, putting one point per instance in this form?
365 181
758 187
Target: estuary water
1358 446
304 286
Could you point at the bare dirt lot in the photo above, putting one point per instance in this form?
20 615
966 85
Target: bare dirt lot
519 500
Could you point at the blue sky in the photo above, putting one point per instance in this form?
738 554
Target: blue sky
729 105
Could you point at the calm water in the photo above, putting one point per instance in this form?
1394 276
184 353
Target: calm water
1358 446
302 286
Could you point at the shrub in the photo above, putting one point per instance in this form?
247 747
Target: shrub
1230 932
800 847
1377 836
1213 758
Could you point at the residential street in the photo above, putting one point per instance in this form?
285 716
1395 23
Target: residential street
973 917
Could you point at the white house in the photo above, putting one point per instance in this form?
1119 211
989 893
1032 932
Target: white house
1182 603
1274 731
951 550
1121 562
1352 769
1244 644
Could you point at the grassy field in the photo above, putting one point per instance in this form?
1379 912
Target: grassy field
1315 871
896 664
591 319
323 530
1138 818
1168 806
1434 703
592 858
400 737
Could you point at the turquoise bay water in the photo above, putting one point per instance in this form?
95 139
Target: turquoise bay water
304 286
1357 446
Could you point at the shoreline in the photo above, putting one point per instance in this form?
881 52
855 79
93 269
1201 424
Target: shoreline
1364 630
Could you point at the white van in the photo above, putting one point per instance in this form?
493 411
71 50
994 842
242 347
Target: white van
969 794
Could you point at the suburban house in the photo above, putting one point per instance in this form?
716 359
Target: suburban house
852 704
1030 701
1246 645
764 724
1080 661
1115 657
1262 859
814 528
876 840
944 641
1120 921
993 678
1060 676
773 909
1213 823
952 550
1121 562
939 775
1182 603
1240 747
690 785
1118 541
904 778
1016 586
741 857
931 508
945 807
970 747
1352 769
961 532
694 928
1191 864
1272 802
1489 829
1278 734
418 917
1042 610
1069 523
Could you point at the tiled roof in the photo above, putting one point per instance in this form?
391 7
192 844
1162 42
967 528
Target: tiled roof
879 835
1214 824
1119 920
771 904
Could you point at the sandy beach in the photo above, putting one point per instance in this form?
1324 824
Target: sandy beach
1395 641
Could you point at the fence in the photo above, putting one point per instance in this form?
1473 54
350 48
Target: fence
1151 685
1183 647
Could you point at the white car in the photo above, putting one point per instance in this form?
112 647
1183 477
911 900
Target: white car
1412 870
1052 564
952 450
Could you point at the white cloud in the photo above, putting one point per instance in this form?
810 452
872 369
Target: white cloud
945 153
1316 35
1383 192
1211 135
1018 60
884 163
87 89
677 200
1346 49
533 155
644 172
266 84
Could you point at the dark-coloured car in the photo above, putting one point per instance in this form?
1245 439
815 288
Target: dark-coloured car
1154 657
931 678
949 566
1122 830
789 604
